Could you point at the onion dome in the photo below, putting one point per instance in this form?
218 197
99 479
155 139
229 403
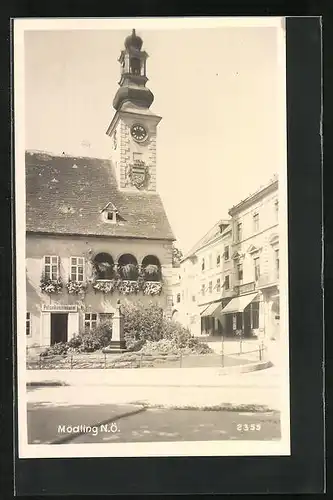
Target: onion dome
133 41
140 96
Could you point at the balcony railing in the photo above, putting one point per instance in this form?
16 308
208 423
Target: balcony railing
245 288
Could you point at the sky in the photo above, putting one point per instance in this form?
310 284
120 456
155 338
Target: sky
216 89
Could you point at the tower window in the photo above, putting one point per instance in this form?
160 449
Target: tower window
137 157
135 66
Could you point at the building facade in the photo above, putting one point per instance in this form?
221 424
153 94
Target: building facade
96 229
255 254
232 274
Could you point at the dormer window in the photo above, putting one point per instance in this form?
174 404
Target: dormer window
109 213
111 216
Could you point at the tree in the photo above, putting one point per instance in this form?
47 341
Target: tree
177 256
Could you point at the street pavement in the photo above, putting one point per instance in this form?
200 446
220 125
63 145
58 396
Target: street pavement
197 388
102 423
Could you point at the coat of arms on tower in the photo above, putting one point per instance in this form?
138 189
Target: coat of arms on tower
138 174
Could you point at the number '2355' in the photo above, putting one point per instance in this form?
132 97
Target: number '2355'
248 427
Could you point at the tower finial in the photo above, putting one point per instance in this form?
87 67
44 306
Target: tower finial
133 41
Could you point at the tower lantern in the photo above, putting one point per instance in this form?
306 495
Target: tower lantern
133 77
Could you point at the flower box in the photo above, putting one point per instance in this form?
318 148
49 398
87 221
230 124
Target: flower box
51 286
127 287
105 286
76 287
152 288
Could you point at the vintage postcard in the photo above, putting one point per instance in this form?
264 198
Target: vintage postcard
151 237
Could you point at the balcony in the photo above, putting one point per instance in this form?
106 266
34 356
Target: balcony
268 280
245 288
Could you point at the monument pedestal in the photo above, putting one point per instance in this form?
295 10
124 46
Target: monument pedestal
117 344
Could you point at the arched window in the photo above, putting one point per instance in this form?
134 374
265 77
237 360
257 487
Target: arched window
151 268
128 267
103 266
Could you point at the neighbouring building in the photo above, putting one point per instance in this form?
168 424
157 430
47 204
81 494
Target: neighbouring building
255 254
96 229
228 284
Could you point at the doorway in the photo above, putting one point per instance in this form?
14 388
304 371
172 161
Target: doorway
59 327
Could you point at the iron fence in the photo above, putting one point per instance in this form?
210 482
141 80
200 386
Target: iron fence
109 360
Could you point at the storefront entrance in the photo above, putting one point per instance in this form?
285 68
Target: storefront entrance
59 327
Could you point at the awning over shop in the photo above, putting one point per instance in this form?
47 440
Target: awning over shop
213 309
238 304
203 308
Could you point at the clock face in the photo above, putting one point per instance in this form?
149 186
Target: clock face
139 133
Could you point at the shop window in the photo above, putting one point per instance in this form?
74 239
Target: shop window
254 314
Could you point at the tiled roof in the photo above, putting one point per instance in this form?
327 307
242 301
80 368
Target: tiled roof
212 234
65 194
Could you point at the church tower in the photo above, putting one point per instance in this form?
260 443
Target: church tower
133 127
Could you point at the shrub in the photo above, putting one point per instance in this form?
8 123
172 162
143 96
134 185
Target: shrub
146 330
75 342
60 348
103 332
141 324
90 343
